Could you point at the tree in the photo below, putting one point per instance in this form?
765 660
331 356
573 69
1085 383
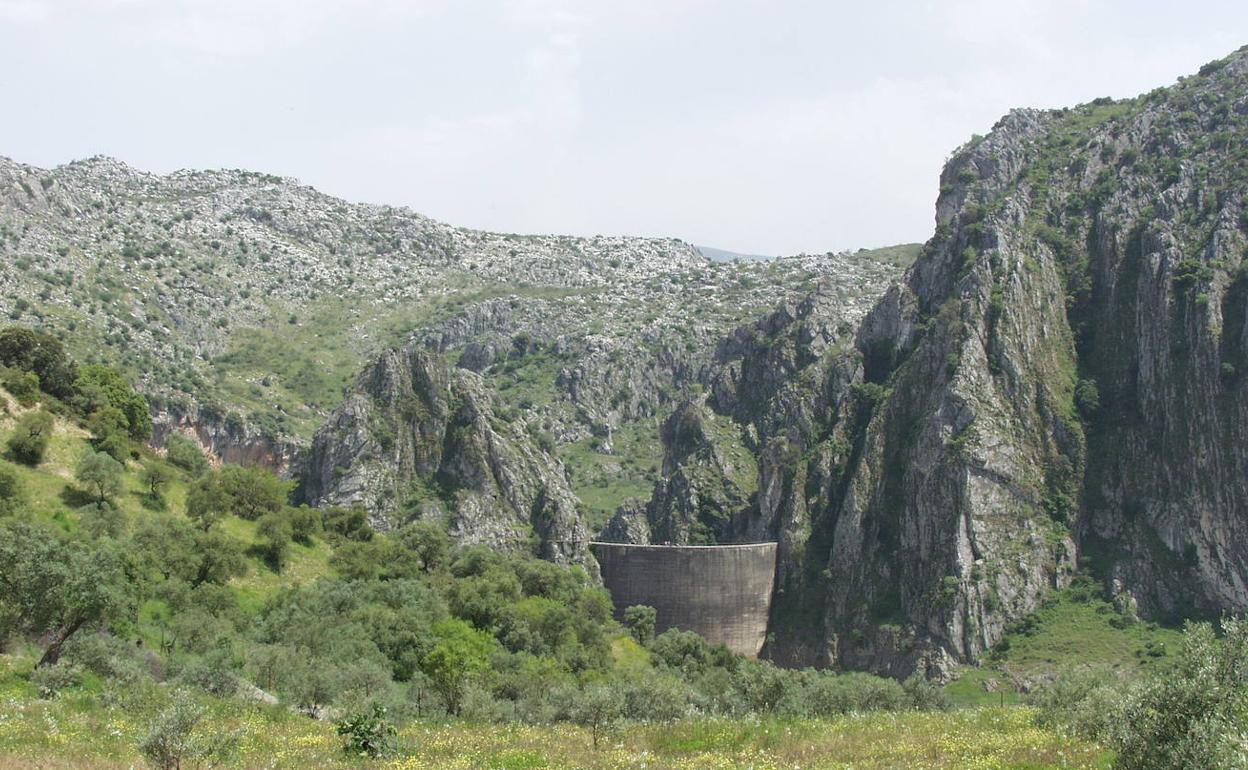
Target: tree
641 621
53 588
174 550
274 531
109 432
186 454
12 492
253 492
30 438
24 386
597 707
102 386
429 541
207 502
461 654
100 473
305 523
42 354
156 476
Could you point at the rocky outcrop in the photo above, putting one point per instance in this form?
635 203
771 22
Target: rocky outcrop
417 439
1056 383
707 483
223 437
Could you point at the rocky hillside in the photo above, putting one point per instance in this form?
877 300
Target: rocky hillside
1057 382
245 304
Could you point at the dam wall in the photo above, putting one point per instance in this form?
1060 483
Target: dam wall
722 592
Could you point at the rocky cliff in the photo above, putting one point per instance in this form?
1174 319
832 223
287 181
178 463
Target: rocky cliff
416 439
1057 382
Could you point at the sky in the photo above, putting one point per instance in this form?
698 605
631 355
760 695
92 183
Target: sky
764 127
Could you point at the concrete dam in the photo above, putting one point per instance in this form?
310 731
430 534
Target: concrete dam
722 592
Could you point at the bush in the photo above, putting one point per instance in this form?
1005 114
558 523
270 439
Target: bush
1087 398
1190 716
1084 703
832 694
23 386
43 354
103 387
51 680
171 738
275 532
641 620
186 454
101 520
12 491
655 698
597 707
925 695
211 673
29 442
305 523
368 733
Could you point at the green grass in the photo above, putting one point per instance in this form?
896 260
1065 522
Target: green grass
1070 632
603 482
901 255
83 730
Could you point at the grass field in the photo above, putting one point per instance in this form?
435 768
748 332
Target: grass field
79 731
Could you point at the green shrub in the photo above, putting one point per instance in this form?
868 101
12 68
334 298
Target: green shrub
368 733
42 354
172 739
101 386
23 386
305 524
29 442
832 694
1087 398
1085 703
186 454
1190 716
12 491
597 707
275 532
101 520
640 620
51 680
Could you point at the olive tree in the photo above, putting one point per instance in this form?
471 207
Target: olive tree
53 588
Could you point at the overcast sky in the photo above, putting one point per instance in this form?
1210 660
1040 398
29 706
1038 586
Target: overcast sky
767 127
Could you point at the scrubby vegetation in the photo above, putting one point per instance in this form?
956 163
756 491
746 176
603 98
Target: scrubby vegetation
163 597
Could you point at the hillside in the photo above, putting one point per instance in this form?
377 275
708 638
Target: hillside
253 295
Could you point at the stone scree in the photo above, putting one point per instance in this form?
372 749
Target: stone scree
722 592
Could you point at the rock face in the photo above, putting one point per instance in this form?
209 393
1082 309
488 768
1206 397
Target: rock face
1057 382
416 439
223 437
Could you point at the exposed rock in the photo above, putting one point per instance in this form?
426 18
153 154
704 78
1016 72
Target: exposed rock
1057 380
414 431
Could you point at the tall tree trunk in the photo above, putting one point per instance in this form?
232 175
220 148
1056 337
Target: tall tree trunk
53 653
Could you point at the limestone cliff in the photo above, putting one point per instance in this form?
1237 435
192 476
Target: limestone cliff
1058 381
418 439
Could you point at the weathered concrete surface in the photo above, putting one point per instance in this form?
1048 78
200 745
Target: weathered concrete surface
722 592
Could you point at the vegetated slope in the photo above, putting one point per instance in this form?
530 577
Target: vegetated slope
243 304
1057 381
